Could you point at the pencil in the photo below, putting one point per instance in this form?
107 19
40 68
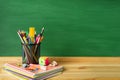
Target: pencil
20 37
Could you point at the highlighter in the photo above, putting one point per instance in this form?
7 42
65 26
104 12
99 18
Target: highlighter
32 34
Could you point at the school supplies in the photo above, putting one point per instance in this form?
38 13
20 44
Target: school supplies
44 61
31 45
37 39
22 77
33 71
53 63
41 34
31 37
30 69
32 34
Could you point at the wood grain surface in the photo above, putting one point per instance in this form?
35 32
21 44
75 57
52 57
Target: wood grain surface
76 68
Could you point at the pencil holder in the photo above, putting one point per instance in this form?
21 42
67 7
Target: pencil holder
31 53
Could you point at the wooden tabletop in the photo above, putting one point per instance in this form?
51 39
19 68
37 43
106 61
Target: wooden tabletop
76 68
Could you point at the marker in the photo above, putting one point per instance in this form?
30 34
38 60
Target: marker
32 34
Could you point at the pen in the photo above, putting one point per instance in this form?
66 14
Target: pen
42 31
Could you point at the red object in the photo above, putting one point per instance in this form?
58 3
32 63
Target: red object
47 61
37 39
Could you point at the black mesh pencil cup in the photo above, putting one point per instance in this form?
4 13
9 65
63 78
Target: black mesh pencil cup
31 53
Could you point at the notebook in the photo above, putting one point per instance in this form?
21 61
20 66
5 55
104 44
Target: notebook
22 77
29 72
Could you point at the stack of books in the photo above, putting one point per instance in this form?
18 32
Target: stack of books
33 72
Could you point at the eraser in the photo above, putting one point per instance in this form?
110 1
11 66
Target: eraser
44 61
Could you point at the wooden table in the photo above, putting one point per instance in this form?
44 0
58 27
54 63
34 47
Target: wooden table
76 68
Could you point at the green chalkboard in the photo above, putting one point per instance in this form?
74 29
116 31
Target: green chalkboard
72 27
